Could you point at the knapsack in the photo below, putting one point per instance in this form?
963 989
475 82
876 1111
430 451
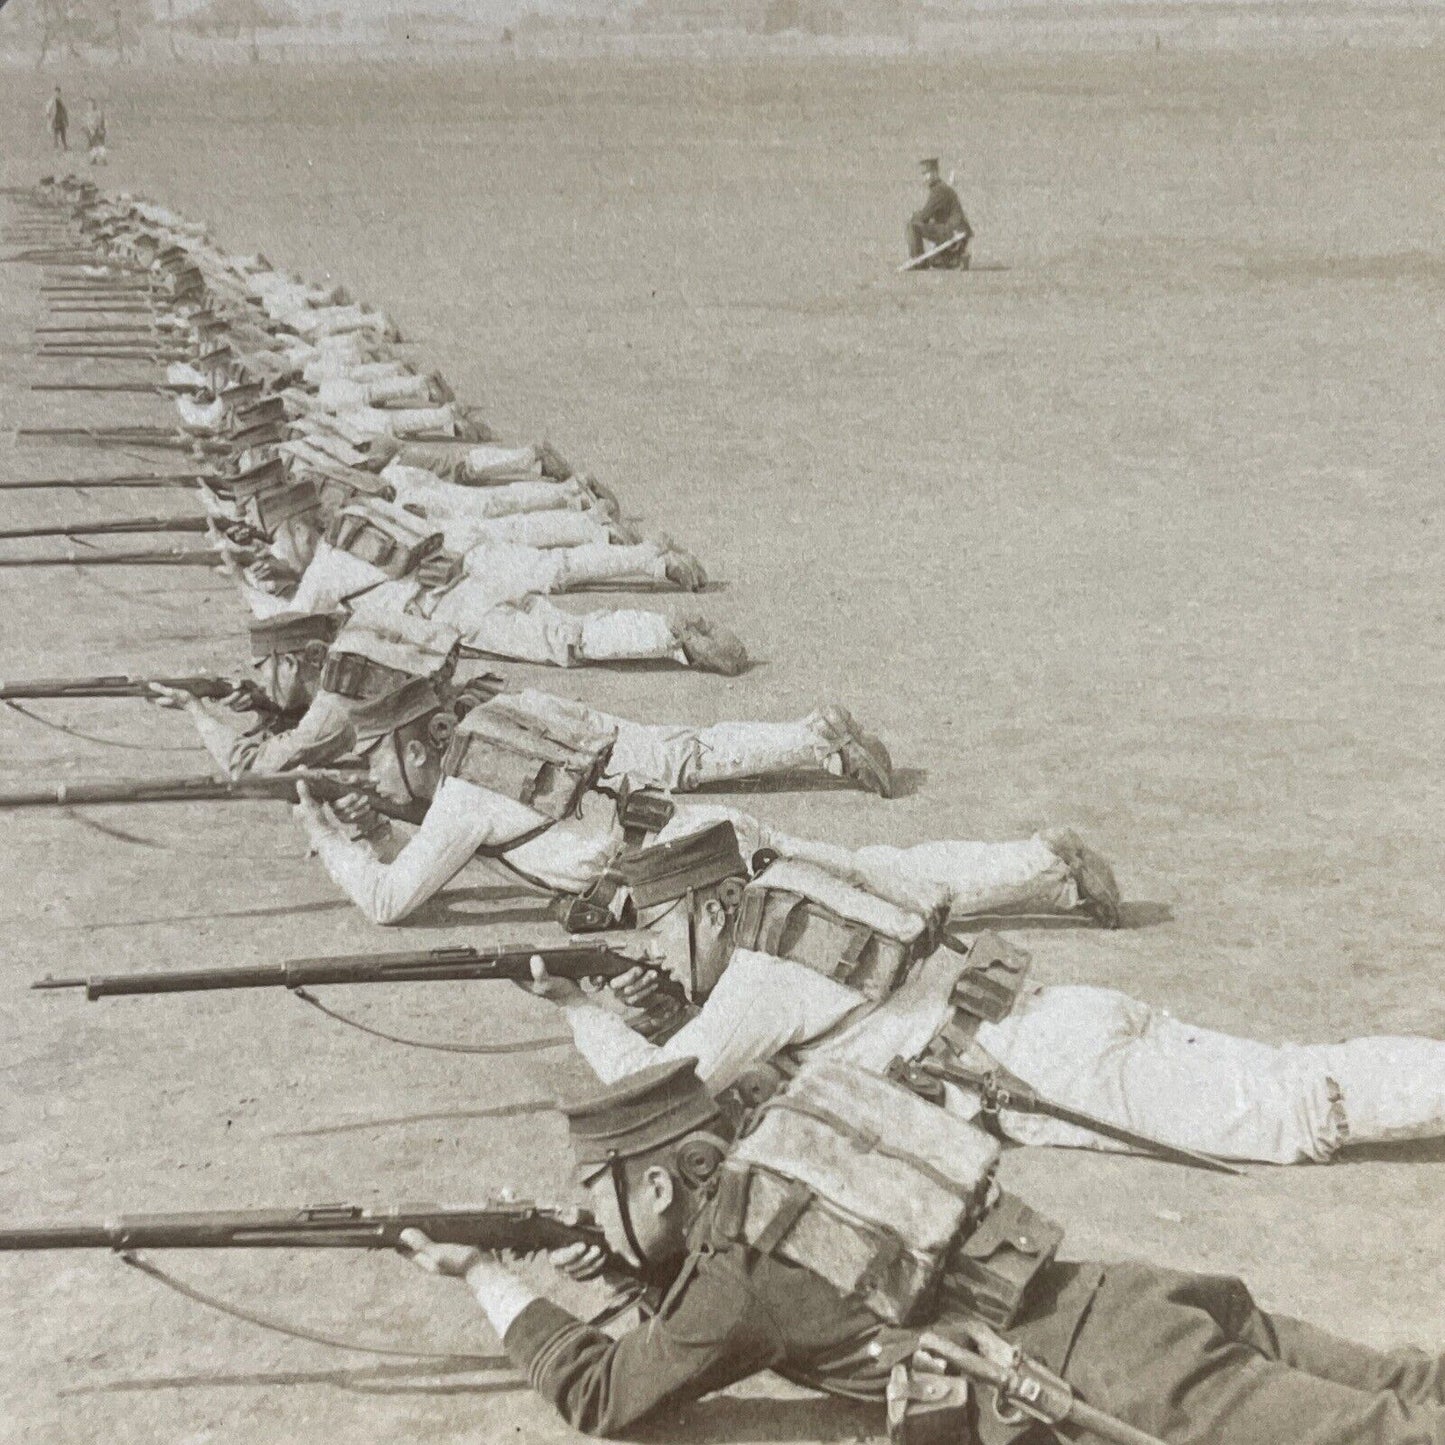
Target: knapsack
835 926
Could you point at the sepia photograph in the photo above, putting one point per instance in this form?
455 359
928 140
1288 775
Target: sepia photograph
723 722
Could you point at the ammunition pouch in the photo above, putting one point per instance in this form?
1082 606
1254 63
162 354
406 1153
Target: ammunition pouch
993 1266
382 538
801 912
545 762
989 987
640 814
925 1408
349 675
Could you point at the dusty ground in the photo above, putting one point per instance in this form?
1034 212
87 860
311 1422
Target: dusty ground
1136 527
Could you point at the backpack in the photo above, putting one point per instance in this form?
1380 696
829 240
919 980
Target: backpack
856 1178
390 539
836 927
540 757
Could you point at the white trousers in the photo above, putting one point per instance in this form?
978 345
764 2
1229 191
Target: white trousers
984 878
1100 1051
679 757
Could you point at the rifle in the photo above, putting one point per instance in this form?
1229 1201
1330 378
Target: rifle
118 559
121 685
327 784
132 479
139 388
998 1089
146 437
105 529
1024 1387
458 964
520 1226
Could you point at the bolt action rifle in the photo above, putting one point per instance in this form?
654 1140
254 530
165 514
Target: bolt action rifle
192 558
113 527
514 1225
457 964
215 689
325 784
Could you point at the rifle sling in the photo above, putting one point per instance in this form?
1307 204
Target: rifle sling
523 1046
294 1332
70 732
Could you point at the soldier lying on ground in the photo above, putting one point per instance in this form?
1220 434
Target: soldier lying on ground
568 854
1190 1358
1095 1050
315 690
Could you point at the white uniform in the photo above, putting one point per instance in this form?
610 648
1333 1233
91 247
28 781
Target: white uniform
495 604
1092 1049
569 857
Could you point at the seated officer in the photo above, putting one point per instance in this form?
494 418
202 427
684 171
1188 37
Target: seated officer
940 218
1190 1358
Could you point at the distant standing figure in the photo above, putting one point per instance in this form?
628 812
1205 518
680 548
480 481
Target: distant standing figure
58 119
941 216
93 124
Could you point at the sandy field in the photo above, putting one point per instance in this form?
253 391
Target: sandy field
1136 528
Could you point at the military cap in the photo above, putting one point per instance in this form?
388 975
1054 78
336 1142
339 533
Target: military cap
641 1112
928 163
667 871
416 698
292 632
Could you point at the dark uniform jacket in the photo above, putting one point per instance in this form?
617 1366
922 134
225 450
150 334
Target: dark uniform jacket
942 208
732 1312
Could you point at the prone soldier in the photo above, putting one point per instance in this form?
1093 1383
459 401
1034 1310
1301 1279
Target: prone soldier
764 1255
805 961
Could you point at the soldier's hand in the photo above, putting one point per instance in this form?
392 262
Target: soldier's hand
311 812
272 573
245 697
452 1260
637 987
175 698
357 811
560 991
579 1261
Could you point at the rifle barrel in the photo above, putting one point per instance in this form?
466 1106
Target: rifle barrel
251 787
118 559
520 1226
117 685
108 528
437 965
134 479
